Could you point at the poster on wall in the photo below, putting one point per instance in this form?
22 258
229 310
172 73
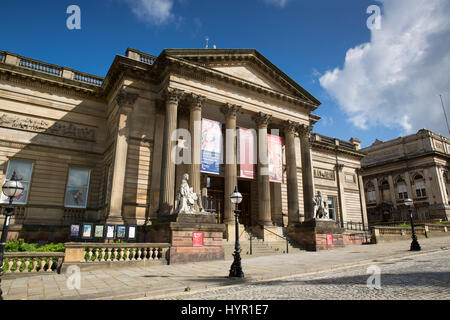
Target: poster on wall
275 158
247 153
197 239
74 230
211 146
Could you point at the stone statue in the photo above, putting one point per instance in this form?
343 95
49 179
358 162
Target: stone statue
187 198
320 207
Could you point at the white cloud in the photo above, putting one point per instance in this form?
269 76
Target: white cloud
395 80
278 3
152 11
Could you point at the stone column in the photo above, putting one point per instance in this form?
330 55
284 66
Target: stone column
307 171
377 191
341 193
362 198
290 128
125 102
167 191
392 191
265 215
195 128
411 193
230 158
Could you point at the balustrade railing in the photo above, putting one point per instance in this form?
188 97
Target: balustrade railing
32 262
40 66
355 226
116 252
87 78
51 69
140 56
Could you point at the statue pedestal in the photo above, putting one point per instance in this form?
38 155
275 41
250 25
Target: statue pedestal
195 237
315 235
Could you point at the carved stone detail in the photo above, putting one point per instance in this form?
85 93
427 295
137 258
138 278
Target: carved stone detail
42 126
262 119
173 95
290 126
195 101
230 110
126 99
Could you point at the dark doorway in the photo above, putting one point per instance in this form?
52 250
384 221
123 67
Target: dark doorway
245 217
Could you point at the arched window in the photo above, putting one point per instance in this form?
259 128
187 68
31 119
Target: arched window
384 187
419 186
371 193
401 189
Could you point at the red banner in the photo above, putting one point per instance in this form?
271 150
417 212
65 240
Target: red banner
275 158
247 153
329 239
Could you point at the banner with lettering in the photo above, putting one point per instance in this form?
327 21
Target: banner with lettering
247 153
211 146
275 146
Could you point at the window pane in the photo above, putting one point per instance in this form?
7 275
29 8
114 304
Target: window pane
23 170
76 197
78 177
401 188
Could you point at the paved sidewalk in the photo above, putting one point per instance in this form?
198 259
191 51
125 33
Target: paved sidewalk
158 282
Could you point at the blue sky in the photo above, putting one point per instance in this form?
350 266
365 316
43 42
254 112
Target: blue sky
306 39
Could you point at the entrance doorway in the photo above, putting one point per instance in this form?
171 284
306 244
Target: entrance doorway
216 197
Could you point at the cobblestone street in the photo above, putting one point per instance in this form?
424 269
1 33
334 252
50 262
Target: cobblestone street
422 277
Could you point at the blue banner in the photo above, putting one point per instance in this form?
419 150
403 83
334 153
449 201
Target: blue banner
211 146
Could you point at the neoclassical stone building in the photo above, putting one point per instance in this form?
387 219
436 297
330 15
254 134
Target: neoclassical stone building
98 149
416 167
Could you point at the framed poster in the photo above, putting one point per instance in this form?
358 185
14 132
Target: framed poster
198 239
75 230
121 232
87 231
211 146
110 231
99 231
132 233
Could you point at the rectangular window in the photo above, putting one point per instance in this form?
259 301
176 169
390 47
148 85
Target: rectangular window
332 208
371 195
23 170
77 188
420 189
402 193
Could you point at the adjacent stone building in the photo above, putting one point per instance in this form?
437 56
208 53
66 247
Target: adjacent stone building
92 149
416 167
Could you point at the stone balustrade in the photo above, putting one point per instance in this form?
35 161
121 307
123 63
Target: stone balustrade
140 56
48 68
114 254
383 233
32 262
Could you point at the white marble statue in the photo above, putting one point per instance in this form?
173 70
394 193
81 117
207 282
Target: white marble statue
320 207
187 198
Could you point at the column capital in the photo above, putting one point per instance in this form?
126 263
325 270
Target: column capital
290 126
195 101
173 95
304 130
230 110
339 167
126 99
262 119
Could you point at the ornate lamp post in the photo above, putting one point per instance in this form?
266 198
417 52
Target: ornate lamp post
236 268
414 244
11 189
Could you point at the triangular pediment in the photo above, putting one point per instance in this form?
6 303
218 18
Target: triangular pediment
247 65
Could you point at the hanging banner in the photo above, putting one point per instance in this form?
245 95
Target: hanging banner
275 158
211 146
246 153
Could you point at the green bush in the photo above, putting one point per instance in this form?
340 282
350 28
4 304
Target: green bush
21 246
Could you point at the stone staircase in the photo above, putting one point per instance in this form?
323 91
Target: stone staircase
258 247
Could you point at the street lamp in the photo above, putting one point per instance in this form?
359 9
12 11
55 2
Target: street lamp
236 268
415 246
10 189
